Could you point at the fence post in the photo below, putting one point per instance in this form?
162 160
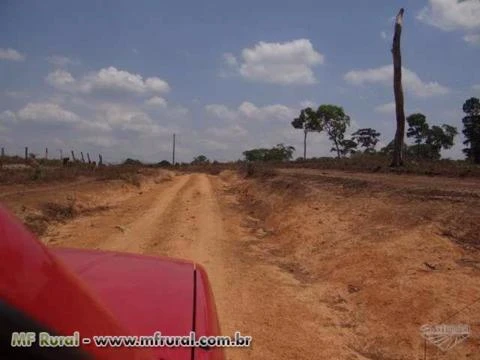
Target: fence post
73 156
88 158
100 160
3 152
83 159
46 153
26 153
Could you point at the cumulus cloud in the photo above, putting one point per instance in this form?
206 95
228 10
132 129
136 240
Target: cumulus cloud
451 14
156 101
384 75
388 108
11 55
47 113
128 119
285 63
61 79
250 111
220 111
108 79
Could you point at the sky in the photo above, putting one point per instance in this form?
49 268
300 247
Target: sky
120 77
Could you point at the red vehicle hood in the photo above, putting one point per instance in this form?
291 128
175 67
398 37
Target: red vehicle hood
63 291
145 294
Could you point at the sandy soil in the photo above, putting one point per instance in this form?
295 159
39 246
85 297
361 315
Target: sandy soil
313 265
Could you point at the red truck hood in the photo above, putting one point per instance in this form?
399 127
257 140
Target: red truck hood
145 294
102 293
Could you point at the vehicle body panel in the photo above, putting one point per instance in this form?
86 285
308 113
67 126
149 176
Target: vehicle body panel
106 293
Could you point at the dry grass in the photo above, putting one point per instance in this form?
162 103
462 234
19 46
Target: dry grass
47 174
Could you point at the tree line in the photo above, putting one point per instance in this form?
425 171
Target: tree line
428 141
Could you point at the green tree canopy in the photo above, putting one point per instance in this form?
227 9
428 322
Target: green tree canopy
429 141
471 129
200 159
335 122
279 152
417 127
367 138
308 122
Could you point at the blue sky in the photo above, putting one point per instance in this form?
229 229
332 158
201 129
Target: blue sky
119 77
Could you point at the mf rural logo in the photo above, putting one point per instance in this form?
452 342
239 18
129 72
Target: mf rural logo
445 337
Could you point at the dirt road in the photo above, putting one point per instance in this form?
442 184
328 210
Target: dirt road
333 273
192 218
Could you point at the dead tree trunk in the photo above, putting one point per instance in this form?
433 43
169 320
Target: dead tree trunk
398 91
305 144
83 159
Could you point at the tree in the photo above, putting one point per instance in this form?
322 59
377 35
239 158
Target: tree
348 147
367 138
441 137
334 121
417 127
132 162
255 154
280 152
397 158
200 160
308 122
388 150
471 129
428 141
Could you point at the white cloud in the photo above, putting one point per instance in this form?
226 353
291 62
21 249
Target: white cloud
108 79
269 112
386 108
233 131
7 116
46 113
101 141
61 61
220 111
213 144
61 79
384 75
157 85
11 54
452 14
128 119
285 63
472 39
230 59
156 101
250 111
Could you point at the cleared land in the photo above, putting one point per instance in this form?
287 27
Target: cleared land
314 264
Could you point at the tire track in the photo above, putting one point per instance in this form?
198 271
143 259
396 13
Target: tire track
144 231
